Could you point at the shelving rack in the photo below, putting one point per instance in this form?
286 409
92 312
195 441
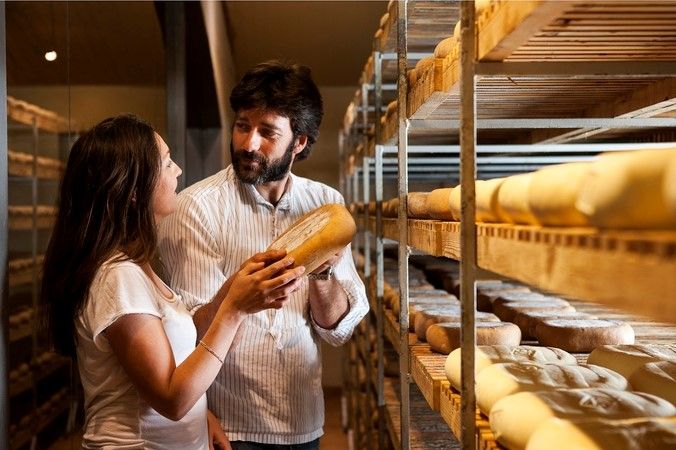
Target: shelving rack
40 397
544 82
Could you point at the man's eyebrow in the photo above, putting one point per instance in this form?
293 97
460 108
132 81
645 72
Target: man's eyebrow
272 126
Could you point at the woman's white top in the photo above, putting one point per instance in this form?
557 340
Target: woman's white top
116 417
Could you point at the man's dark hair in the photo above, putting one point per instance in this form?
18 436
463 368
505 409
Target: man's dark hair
288 90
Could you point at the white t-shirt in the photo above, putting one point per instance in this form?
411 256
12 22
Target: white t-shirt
116 417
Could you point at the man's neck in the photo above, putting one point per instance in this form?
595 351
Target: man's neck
272 191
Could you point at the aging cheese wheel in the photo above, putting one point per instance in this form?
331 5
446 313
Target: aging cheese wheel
445 47
487 295
317 236
553 193
657 378
599 434
487 207
500 380
513 199
438 204
525 297
416 203
527 321
487 355
391 208
514 418
669 186
508 311
456 203
583 335
426 296
625 190
416 306
428 317
445 337
625 359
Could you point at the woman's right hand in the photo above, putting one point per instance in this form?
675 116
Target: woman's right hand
263 281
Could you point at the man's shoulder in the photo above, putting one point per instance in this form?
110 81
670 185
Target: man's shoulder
210 188
323 193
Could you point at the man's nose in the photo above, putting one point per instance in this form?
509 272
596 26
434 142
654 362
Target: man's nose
252 141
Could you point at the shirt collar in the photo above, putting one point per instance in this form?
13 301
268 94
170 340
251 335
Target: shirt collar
284 203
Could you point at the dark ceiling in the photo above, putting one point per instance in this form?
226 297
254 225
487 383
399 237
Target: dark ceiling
121 43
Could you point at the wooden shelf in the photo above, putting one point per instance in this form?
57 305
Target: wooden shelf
21 165
451 413
21 270
632 270
27 114
427 430
21 217
427 369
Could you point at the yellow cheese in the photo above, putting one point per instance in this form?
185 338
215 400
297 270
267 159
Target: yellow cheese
626 359
657 378
669 186
598 434
513 199
438 204
317 236
514 418
417 204
626 190
553 192
444 47
487 207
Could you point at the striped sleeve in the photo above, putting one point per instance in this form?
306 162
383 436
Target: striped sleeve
191 254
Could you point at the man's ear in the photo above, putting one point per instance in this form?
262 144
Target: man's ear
301 142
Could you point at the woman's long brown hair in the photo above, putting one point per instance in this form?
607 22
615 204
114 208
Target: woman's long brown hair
104 208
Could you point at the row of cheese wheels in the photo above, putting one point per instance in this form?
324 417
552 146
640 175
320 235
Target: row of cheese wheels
622 398
620 190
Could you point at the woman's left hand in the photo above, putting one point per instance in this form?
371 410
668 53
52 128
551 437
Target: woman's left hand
217 438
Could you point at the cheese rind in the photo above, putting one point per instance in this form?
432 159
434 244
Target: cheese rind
445 337
625 359
500 380
657 378
416 203
514 418
598 434
583 336
487 355
438 204
426 318
508 311
513 199
317 236
553 193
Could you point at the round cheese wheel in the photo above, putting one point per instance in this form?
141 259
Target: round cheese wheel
487 207
525 297
456 31
416 203
456 201
508 311
514 418
487 355
513 199
657 378
426 318
445 47
583 335
424 65
626 359
527 321
500 380
625 190
486 296
599 434
553 192
669 186
415 307
438 204
317 236
445 337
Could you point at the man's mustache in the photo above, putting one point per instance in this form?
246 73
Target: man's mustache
249 157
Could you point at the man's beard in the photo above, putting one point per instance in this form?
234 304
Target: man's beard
267 170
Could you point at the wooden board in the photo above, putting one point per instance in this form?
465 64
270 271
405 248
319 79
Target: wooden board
21 217
27 114
451 413
21 164
427 431
427 369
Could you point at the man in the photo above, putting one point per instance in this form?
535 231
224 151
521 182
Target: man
269 388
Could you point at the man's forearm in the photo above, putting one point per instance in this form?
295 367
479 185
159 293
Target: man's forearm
328 302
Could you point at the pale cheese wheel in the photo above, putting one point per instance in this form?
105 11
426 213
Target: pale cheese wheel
625 190
513 199
553 193
508 311
500 380
527 321
317 236
625 359
455 200
416 203
516 296
583 335
657 378
487 207
417 306
424 65
438 204
426 318
456 31
515 418
420 296
487 355
486 296
445 337
598 434
444 47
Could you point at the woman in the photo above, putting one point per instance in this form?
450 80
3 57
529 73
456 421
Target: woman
144 378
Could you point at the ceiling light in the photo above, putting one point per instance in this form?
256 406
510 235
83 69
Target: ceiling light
50 56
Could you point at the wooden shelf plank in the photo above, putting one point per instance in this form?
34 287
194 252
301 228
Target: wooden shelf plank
21 217
427 369
631 270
